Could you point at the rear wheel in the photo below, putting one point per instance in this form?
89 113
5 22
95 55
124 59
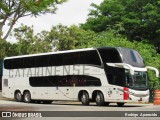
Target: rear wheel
120 104
99 99
27 97
18 96
85 98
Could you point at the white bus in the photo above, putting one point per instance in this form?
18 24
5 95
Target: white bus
103 75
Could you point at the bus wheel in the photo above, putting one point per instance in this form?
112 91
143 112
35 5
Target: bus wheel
99 99
85 98
18 96
120 104
27 97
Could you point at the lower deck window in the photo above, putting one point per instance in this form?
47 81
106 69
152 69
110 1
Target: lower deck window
68 80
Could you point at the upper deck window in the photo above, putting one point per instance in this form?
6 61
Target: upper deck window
110 55
73 58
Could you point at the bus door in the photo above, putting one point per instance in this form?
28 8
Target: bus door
116 80
114 93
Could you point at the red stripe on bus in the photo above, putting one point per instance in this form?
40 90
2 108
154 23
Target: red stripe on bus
126 94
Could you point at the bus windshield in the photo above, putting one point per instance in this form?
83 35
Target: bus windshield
138 81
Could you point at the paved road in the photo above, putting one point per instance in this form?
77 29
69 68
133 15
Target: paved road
10 105
75 106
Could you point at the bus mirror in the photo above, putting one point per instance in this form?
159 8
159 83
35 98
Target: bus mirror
153 68
122 65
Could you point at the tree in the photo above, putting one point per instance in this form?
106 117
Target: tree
3 49
28 43
12 10
136 19
66 38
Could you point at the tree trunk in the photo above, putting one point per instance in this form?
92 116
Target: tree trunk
1 33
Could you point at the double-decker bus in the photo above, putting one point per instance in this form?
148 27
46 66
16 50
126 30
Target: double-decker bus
103 75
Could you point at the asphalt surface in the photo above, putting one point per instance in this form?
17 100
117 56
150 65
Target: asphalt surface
73 107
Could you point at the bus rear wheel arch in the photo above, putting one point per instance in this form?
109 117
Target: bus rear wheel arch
18 96
83 96
27 97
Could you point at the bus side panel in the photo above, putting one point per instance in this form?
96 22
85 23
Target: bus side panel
5 83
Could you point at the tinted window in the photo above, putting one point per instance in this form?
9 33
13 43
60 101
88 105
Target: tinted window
131 57
83 57
68 80
110 55
44 81
5 82
116 76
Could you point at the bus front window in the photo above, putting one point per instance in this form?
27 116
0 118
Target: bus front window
139 81
128 79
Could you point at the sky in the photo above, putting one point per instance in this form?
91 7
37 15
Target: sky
69 13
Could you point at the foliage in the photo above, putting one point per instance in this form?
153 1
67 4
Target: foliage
66 38
28 43
136 19
4 48
12 10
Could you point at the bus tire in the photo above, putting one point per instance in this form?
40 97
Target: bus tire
85 98
99 99
18 96
120 104
27 97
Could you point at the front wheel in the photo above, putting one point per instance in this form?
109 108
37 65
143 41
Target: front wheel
99 99
27 97
85 98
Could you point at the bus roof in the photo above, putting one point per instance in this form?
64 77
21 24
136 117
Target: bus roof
48 53
66 51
